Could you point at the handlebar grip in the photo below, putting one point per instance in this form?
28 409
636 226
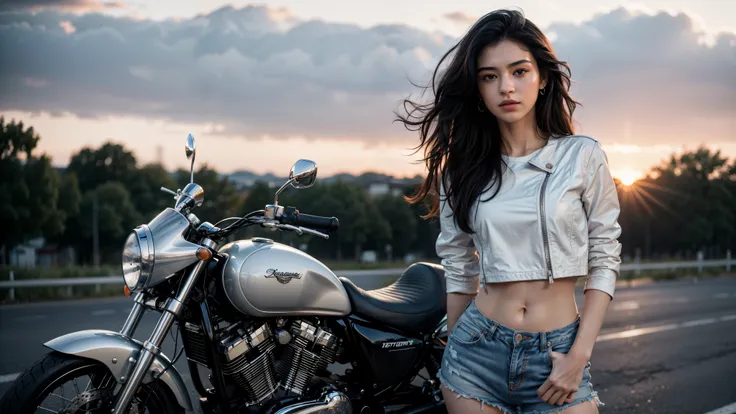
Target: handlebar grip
314 222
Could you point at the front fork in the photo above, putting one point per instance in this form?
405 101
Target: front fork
135 315
152 347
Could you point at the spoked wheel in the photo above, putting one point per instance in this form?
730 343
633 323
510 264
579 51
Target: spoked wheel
65 384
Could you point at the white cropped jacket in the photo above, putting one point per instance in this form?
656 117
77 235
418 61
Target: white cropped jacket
555 216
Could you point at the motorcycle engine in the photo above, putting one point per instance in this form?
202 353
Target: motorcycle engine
247 357
309 348
247 354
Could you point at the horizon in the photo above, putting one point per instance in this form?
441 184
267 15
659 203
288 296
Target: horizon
262 85
625 179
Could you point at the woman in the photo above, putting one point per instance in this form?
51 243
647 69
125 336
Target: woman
526 207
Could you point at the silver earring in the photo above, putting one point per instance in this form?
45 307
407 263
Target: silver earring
481 106
541 91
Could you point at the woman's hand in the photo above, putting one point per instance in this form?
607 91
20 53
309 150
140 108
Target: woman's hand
564 380
567 369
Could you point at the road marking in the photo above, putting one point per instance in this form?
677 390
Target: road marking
668 327
699 322
722 295
626 305
8 377
630 305
103 312
729 409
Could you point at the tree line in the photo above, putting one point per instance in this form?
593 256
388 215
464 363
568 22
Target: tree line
686 204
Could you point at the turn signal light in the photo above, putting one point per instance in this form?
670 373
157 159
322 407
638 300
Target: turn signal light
204 254
126 290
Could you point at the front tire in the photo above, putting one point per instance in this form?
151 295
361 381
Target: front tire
38 383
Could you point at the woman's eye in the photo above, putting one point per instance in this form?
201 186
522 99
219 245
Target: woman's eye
520 71
489 77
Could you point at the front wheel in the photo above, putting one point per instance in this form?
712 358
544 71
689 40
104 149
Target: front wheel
60 383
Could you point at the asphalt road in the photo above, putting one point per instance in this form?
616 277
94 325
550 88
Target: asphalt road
664 348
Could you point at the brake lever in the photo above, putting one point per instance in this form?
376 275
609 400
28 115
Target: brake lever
315 232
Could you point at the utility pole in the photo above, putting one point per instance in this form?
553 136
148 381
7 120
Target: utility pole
95 234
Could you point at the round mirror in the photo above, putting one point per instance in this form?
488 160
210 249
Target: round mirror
303 174
189 148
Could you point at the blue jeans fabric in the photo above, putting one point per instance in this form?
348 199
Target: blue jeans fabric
503 367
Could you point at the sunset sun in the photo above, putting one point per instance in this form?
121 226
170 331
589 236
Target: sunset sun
628 177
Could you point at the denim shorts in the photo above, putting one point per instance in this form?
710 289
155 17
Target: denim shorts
503 367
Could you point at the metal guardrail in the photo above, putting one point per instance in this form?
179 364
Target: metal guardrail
98 281
71 281
700 264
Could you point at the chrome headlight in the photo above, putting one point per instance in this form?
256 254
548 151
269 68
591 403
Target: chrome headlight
138 255
147 263
132 261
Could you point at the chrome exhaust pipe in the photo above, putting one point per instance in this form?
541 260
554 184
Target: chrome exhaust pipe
332 403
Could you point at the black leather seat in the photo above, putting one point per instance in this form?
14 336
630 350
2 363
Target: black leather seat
414 303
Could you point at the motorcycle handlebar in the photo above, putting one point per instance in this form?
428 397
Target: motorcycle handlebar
293 217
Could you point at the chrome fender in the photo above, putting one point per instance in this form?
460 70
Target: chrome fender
118 353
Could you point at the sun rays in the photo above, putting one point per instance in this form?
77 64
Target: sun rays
628 177
639 191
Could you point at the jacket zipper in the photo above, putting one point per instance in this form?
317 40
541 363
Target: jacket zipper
544 229
480 256
482 275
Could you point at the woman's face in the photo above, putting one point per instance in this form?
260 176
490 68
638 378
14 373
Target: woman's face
508 81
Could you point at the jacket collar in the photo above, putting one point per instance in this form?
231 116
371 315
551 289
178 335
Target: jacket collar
545 160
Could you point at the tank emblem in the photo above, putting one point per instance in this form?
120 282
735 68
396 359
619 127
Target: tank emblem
282 277
399 344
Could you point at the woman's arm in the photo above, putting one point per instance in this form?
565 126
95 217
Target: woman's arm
591 321
602 208
601 204
460 260
456 304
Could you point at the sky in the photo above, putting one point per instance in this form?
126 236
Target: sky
261 85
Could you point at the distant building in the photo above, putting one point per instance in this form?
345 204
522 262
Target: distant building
37 253
24 255
379 189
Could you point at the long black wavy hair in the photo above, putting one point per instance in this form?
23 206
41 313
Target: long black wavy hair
462 146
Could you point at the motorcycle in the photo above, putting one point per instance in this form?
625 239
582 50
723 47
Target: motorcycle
269 324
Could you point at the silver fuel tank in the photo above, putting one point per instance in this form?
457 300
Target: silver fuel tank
263 278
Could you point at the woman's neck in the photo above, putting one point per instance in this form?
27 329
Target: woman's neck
521 138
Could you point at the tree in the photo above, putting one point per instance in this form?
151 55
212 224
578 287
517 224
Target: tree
257 198
110 162
686 205
426 231
29 189
401 220
145 190
116 218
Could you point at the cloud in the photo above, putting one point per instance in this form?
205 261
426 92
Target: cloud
653 72
71 5
258 71
460 18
